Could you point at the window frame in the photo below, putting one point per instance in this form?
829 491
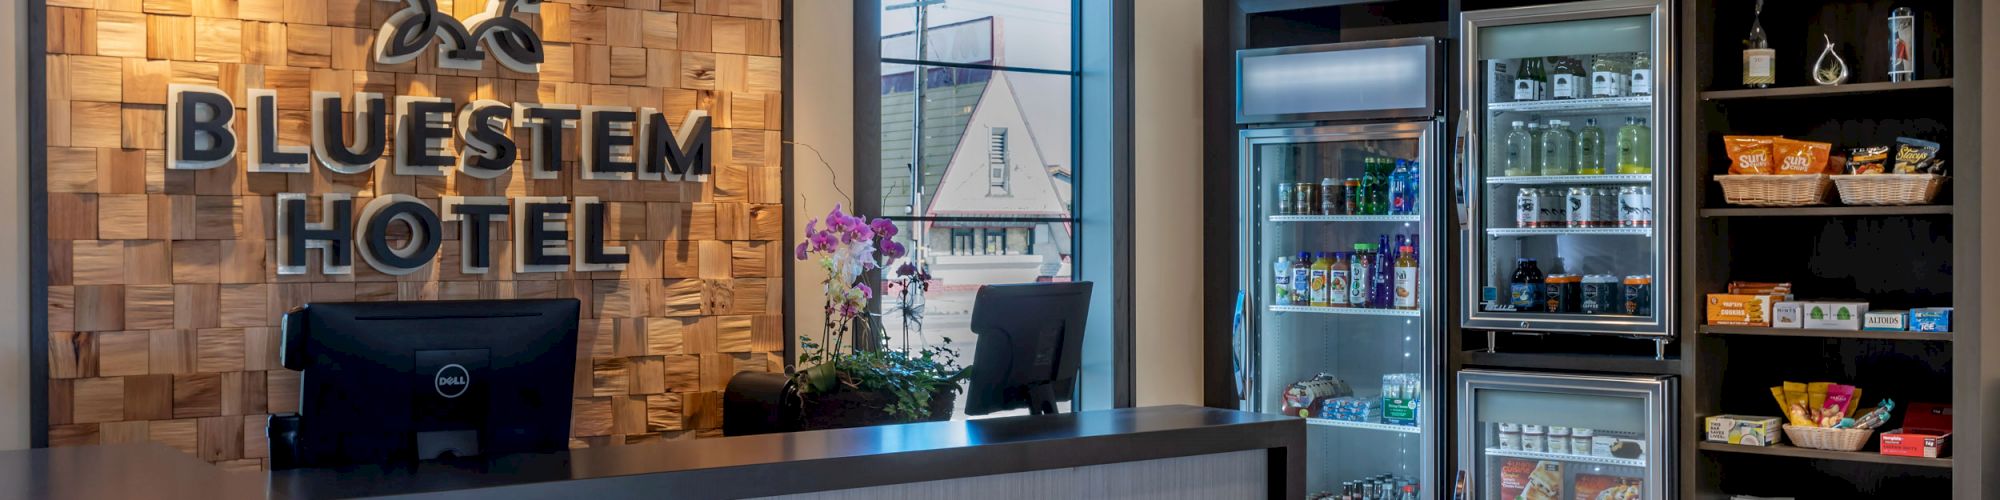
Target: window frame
1104 70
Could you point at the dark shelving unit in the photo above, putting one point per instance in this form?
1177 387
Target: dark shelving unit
1828 211
1824 334
1895 257
1843 456
1874 88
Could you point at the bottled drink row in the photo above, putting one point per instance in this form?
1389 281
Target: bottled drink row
1534 149
1584 207
1374 275
1530 291
1383 487
1577 77
1387 186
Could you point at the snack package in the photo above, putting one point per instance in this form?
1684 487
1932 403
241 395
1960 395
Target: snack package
1596 487
1853 401
1514 474
1816 395
1913 155
1759 288
1792 157
1795 404
1868 160
1835 407
1748 154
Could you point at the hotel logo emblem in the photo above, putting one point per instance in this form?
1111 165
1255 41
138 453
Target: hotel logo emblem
513 42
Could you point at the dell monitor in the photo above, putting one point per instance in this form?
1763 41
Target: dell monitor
1030 345
394 382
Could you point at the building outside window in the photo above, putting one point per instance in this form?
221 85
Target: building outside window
978 136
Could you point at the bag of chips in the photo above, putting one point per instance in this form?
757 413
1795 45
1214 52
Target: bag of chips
1748 154
1868 160
1799 157
1914 155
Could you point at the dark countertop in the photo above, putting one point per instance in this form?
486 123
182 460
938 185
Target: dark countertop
731 467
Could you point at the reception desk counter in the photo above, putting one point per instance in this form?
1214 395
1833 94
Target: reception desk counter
1156 452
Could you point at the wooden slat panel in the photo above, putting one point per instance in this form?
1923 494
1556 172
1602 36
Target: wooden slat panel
162 291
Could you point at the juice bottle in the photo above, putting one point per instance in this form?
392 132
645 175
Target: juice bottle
1302 279
1282 277
1590 149
1322 269
1520 152
1406 279
1337 281
1357 274
1557 156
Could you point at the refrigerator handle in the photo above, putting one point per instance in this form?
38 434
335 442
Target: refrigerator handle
1461 164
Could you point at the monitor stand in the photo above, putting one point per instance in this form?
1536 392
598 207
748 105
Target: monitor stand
1042 399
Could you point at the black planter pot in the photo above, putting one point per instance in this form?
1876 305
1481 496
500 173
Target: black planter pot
856 408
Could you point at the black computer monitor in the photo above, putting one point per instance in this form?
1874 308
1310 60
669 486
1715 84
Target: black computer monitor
1030 345
391 382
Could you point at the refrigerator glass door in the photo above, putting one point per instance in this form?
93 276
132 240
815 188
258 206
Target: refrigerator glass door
1568 208
1341 331
1542 436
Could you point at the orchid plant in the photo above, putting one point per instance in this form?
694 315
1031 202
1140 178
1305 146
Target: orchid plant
848 248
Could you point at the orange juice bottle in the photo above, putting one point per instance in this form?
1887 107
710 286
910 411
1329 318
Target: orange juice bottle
1322 278
1406 279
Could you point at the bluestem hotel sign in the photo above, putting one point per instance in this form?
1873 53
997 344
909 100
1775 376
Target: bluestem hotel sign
420 25
436 137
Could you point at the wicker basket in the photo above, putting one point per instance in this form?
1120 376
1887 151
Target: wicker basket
1774 190
1889 189
1827 438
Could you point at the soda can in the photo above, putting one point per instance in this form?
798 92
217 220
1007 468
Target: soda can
1629 206
1607 208
1581 202
1286 198
1308 199
1645 194
1526 211
1553 208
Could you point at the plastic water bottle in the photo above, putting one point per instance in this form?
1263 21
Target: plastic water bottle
1399 196
1413 191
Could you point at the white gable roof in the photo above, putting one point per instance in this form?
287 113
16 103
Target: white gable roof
966 189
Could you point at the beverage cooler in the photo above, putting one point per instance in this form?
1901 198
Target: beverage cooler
1568 205
1339 218
1547 436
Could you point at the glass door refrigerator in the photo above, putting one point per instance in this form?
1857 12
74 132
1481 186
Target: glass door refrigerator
1567 204
1543 436
1339 211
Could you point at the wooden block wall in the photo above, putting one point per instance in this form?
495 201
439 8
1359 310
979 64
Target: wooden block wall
164 295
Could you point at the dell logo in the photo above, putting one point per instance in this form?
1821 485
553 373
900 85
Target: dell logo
409 31
452 380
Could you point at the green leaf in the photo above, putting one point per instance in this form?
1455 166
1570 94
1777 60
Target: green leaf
820 378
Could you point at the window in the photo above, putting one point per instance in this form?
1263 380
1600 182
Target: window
978 139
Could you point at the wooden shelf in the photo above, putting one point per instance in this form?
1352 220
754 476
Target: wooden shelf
1833 211
1843 456
1823 91
1837 334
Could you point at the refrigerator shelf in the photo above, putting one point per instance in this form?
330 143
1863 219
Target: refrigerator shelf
1585 459
1571 106
1354 311
1346 218
1499 232
1572 179
1406 429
